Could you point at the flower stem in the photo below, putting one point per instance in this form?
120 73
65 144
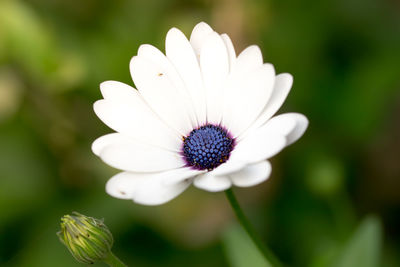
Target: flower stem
250 230
113 261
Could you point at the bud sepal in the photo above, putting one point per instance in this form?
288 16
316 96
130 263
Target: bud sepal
88 239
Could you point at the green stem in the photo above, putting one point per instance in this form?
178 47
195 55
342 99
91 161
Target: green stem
250 230
113 261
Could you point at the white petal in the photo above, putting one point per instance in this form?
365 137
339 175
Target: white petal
181 54
152 195
183 174
248 60
161 94
171 75
252 174
246 95
100 143
291 125
230 49
147 188
117 91
283 125
228 167
123 185
139 157
133 117
282 86
157 57
214 65
258 146
212 183
154 55
272 137
198 36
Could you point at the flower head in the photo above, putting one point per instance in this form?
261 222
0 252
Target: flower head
87 238
200 114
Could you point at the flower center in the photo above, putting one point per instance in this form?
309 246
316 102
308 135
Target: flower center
207 147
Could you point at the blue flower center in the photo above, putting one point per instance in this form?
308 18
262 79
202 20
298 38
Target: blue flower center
207 147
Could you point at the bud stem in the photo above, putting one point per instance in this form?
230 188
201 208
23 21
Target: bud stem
113 261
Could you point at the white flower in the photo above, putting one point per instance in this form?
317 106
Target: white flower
201 115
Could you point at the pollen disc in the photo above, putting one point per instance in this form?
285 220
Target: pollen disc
207 147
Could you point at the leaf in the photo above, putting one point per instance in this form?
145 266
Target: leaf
240 250
364 247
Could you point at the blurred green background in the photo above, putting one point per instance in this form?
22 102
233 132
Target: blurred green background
333 198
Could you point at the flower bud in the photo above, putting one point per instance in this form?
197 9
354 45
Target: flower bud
88 239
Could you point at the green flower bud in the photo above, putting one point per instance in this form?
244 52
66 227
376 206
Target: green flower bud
88 239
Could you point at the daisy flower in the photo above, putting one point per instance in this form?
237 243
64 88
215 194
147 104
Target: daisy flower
201 115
